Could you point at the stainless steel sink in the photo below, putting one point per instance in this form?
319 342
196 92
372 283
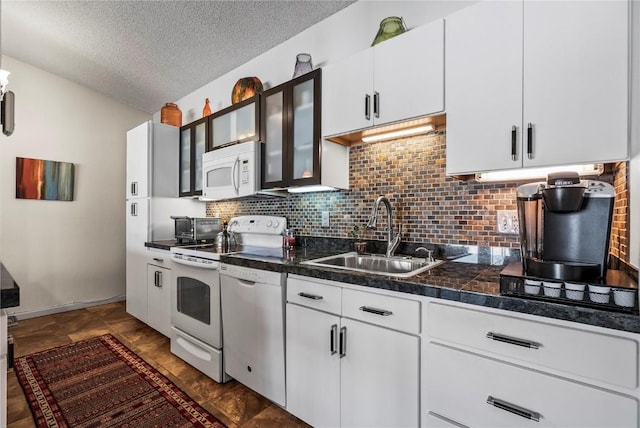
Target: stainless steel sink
402 267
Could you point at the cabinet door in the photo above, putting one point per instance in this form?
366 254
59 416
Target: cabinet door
199 146
305 127
274 134
137 225
313 366
484 87
185 161
347 94
138 162
379 377
575 81
159 298
238 123
409 74
193 143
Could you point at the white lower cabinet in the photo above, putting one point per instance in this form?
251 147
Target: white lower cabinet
346 372
491 368
159 298
483 392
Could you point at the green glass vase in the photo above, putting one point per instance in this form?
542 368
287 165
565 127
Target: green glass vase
390 27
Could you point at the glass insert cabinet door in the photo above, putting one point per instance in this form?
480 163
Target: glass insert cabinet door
291 132
193 142
235 124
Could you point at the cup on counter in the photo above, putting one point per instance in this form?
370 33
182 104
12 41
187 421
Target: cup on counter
624 298
599 293
574 291
531 286
552 289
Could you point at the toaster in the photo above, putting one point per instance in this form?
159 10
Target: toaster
196 229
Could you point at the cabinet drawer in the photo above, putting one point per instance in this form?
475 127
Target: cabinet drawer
159 257
603 357
315 295
392 312
460 386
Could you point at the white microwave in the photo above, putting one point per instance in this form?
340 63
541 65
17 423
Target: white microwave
231 171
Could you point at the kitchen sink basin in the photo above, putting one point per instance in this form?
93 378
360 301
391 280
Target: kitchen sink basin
402 267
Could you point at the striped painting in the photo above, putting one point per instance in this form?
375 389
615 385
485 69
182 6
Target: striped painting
44 179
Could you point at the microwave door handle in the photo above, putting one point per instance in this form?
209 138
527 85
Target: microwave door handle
233 175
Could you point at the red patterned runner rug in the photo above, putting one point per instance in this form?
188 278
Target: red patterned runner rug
99 382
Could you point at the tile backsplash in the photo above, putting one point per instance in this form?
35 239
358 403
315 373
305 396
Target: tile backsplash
433 208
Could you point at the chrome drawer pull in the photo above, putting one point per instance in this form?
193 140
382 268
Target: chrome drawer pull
512 408
309 296
157 259
375 311
513 340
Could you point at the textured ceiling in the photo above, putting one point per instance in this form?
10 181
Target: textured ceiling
144 53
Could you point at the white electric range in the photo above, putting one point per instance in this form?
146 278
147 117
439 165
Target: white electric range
196 297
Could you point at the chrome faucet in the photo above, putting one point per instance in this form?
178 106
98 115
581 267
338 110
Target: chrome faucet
392 241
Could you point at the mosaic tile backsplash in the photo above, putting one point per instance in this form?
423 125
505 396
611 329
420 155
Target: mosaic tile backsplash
410 172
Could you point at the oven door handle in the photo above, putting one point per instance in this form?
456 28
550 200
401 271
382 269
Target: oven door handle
186 262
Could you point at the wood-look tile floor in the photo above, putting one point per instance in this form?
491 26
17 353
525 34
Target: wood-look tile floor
232 403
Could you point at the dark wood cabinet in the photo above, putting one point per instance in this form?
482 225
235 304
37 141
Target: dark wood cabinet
290 129
194 139
235 124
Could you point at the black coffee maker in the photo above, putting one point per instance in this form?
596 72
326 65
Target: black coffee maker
565 226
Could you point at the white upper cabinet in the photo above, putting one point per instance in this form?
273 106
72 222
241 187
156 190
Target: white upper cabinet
536 83
398 79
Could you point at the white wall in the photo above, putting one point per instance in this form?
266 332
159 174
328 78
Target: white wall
62 253
344 33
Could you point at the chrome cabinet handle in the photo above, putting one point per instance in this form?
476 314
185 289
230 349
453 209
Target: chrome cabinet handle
367 107
514 141
512 408
513 340
376 104
343 342
157 279
159 260
530 140
381 312
333 338
309 296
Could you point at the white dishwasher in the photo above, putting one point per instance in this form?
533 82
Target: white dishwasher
253 329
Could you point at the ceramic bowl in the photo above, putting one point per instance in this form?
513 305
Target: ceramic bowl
531 286
552 289
574 291
625 298
599 293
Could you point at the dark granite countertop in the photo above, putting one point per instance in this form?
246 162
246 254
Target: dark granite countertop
476 284
460 280
9 290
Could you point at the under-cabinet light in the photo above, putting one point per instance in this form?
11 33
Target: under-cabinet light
399 133
314 188
538 173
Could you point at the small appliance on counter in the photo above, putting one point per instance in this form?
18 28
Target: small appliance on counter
190 230
565 227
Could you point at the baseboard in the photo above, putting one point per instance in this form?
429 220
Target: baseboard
67 307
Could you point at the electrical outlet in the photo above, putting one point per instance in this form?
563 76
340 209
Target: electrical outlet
325 219
507 222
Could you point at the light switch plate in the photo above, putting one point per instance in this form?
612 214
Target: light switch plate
507 222
325 219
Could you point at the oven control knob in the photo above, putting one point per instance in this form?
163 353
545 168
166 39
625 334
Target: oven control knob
269 223
276 224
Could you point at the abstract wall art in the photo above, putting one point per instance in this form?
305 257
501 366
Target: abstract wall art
44 179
